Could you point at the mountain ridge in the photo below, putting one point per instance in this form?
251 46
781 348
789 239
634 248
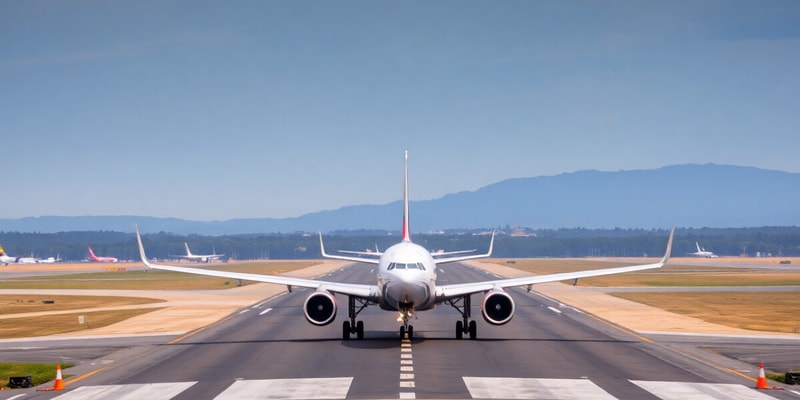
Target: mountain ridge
687 195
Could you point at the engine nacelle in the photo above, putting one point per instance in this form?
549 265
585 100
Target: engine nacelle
320 308
497 307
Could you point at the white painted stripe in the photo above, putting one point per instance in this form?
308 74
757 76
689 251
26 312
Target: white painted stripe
793 391
407 369
259 305
530 388
405 350
406 355
700 391
406 362
265 311
244 311
555 310
406 376
287 389
407 384
408 395
19 396
150 391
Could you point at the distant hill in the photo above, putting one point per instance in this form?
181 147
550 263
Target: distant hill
691 195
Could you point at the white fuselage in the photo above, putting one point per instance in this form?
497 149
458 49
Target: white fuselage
407 278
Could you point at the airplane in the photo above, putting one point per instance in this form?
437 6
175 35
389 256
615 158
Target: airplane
200 257
701 252
100 259
6 259
406 283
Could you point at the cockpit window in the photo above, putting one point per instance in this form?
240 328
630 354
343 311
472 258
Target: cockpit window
405 266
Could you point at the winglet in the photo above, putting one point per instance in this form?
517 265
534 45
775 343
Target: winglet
669 246
141 247
322 246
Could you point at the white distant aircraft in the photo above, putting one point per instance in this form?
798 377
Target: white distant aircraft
701 252
6 259
406 283
100 259
200 257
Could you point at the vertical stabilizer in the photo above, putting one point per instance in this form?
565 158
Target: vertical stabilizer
699 250
91 253
188 253
406 233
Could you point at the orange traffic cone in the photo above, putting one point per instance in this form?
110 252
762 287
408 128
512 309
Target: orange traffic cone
59 385
761 383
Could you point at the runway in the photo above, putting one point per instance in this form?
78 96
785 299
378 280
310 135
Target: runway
269 351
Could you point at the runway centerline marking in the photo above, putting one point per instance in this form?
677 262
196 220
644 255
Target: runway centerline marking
407 383
265 311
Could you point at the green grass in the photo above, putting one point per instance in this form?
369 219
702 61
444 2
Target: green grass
39 373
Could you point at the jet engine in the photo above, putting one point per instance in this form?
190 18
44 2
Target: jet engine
497 307
320 308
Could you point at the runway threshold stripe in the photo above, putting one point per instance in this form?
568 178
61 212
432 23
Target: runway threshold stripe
690 390
288 389
532 388
150 391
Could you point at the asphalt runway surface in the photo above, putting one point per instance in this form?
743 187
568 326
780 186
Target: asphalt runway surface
268 350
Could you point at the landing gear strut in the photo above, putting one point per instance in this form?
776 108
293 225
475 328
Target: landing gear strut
352 326
406 329
463 305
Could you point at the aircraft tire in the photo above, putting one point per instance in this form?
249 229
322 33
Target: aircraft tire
410 332
473 330
402 332
346 330
459 330
360 330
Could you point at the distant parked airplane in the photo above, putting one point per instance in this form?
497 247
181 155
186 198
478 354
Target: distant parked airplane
200 257
701 252
6 259
100 259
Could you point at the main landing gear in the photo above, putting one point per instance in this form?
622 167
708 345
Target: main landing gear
351 326
463 304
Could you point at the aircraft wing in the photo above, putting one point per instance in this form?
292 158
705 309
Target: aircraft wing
449 291
350 289
346 258
443 260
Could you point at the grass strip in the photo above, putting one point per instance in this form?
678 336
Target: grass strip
64 323
762 311
39 373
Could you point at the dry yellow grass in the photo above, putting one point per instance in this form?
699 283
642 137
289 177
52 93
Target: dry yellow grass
18 303
153 279
771 312
669 275
63 323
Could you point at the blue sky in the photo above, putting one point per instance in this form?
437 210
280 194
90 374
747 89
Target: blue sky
212 110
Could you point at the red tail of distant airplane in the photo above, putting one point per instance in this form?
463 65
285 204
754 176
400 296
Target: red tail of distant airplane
100 259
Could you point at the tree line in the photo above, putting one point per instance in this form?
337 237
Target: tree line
579 242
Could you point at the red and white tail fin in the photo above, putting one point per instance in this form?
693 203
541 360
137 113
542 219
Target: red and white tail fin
91 254
406 233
